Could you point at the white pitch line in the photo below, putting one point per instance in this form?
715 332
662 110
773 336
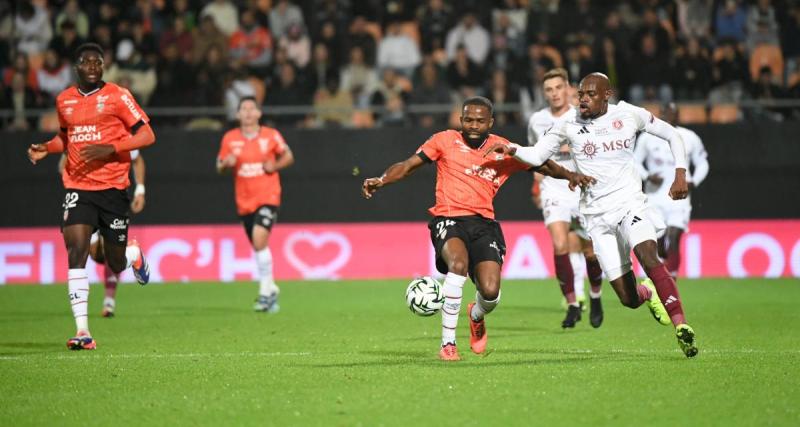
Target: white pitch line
97 355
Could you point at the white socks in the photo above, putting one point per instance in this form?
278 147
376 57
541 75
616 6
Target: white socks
578 270
267 284
483 307
131 255
78 288
452 289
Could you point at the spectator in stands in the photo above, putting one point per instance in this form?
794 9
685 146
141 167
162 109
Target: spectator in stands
470 34
54 76
152 16
108 15
284 15
501 57
693 67
20 98
790 42
434 20
545 21
512 31
651 26
175 76
398 51
251 46
731 21
321 68
577 62
332 105
72 12
103 36
237 88
333 11
766 90
206 37
762 25
330 37
611 62
297 45
533 64
131 67
430 90
651 81
503 95
181 10
177 35
67 41
144 42
286 92
619 34
463 74
389 96
210 74
22 67
694 18
225 15
33 30
359 78
730 74
6 35
360 37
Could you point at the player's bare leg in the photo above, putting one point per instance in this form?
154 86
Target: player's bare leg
595 273
647 253
268 291
76 240
454 253
487 296
559 235
669 249
110 279
633 295
119 257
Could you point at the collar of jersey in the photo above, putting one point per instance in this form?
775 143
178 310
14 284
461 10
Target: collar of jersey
90 93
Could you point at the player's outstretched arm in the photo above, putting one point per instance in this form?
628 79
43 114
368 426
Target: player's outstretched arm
553 169
394 173
38 152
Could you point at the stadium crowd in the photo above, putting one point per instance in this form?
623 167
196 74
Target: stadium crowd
363 63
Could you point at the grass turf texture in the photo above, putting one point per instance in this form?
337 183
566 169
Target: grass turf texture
350 353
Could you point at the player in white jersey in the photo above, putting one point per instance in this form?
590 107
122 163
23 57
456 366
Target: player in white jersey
658 169
560 208
617 216
110 279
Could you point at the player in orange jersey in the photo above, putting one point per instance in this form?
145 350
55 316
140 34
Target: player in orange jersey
96 252
100 124
464 233
255 154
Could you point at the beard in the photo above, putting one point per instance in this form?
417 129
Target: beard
475 143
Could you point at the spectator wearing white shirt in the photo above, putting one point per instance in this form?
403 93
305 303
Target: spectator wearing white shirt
225 15
282 16
32 29
398 51
54 76
471 35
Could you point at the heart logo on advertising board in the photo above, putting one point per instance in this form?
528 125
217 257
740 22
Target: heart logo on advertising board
317 241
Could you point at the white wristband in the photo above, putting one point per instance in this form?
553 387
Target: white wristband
139 190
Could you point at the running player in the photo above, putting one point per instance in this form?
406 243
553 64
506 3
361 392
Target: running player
255 154
467 239
111 279
617 215
100 124
661 169
560 208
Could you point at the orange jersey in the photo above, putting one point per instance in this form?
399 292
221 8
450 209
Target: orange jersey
466 182
104 116
254 187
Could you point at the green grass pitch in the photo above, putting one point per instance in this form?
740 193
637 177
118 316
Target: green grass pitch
350 353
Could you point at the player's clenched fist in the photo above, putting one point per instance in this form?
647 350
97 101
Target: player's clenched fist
37 152
370 186
679 189
579 180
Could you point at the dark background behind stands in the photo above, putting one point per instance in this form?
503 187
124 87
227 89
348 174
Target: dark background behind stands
755 173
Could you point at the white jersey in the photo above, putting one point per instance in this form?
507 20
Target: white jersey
603 148
656 156
538 125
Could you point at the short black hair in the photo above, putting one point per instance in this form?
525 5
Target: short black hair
479 100
88 47
246 98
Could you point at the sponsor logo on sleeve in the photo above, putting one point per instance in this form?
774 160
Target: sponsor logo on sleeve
131 106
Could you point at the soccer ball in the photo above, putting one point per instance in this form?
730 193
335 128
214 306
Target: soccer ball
424 296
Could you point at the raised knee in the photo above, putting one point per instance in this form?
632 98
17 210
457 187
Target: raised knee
117 264
458 267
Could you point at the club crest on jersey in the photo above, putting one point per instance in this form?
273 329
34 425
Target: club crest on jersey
262 143
589 149
617 124
101 102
